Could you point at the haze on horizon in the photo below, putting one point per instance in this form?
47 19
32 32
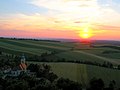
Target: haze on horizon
60 18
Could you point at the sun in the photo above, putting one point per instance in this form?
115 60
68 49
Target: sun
85 33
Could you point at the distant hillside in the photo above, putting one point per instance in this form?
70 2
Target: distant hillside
106 42
113 42
59 51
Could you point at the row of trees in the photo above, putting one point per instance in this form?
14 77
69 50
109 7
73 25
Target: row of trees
98 84
104 64
30 39
10 59
114 47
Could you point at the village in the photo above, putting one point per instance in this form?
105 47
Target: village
8 72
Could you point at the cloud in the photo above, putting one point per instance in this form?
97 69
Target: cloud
88 11
69 15
77 22
108 27
35 22
63 5
75 7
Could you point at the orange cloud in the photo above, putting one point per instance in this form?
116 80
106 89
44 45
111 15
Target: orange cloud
65 18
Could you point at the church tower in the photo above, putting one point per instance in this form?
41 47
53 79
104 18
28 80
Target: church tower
23 59
23 65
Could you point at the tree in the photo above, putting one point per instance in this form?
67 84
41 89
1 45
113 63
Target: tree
66 84
112 85
43 71
2 83
44 54
118 67
104 64
96 84
52 77
1 87
18 85
0 52
44 84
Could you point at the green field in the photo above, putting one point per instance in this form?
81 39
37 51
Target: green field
84 73
66 50
31 47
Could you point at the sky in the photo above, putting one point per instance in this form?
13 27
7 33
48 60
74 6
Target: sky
71 19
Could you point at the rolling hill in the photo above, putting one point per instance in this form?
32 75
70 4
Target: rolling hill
67 50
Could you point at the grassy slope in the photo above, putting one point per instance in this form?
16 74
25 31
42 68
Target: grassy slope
72 71
80 52
19 48
84 73
85 56
104 73
32 47
99 52
74 55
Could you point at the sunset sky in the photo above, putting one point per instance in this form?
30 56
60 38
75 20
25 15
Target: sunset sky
60 19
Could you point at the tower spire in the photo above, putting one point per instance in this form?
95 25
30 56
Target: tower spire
23 59
23 63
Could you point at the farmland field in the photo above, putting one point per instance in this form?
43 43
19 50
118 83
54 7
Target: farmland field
84 73
66 50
